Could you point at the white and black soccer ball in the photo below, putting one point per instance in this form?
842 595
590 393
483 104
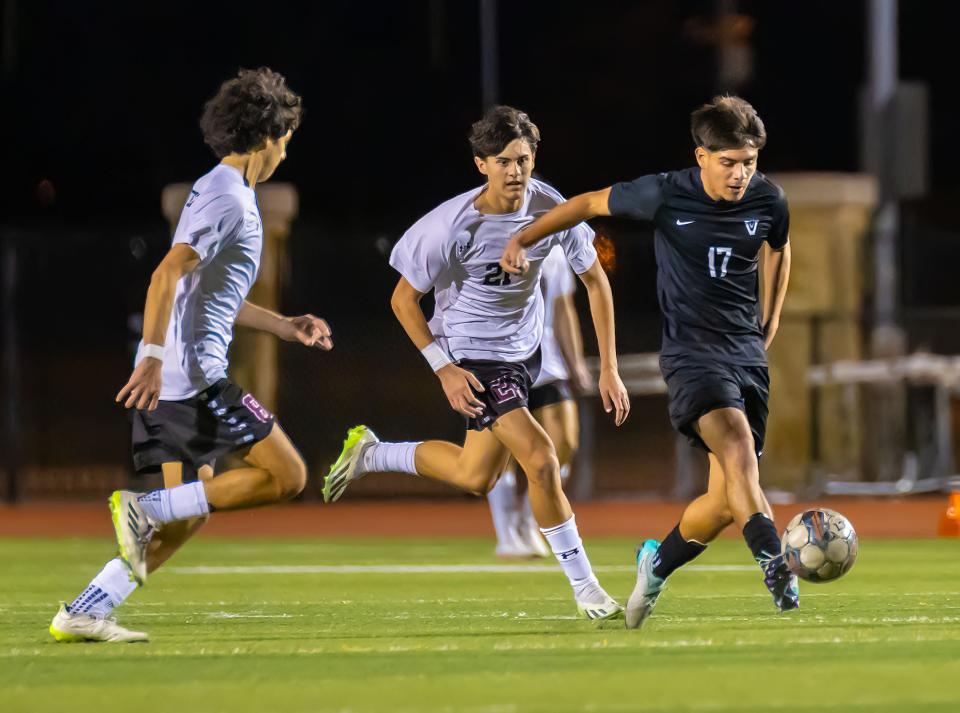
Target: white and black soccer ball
820 545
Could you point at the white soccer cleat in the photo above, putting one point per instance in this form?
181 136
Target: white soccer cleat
349 465
647 591
529 534
134 530
72 628
595 603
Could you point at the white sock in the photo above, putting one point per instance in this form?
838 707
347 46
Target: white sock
179 503
504 506
107 590
391 458
566 544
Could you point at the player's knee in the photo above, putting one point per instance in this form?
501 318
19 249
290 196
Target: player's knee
293 478
543 470
737 450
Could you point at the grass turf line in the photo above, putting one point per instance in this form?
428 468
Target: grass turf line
884 638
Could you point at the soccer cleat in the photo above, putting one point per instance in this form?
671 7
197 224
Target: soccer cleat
349 465
71 628
781 582
595 603
649 587
529 534
134 530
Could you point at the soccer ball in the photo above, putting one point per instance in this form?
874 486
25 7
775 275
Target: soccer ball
819 545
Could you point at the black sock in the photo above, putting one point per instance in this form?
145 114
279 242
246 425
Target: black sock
761 536
674 552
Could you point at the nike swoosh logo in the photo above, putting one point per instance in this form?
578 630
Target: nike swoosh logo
683 222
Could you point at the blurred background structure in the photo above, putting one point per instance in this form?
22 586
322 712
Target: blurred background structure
100 115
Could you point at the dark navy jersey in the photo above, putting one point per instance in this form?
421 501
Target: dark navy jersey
707 257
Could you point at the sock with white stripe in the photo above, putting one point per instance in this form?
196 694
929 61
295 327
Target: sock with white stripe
504 507
391 458
179 503
107 590
566 544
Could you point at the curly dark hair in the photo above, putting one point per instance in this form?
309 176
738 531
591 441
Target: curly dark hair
255 105
500 126
727 122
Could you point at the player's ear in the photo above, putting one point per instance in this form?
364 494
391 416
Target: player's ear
702 154
481 165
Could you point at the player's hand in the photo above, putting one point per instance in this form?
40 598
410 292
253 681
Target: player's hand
142 390
614 395
770 331
308 330
581 380
457 385
514 258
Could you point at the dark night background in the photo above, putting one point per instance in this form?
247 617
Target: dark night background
102 100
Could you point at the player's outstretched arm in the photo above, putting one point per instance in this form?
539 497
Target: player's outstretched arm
612 391
142 389
561 217
456 382
308 330
776 277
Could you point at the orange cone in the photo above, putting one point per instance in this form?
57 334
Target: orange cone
950 520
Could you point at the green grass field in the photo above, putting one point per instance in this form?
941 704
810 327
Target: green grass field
297 638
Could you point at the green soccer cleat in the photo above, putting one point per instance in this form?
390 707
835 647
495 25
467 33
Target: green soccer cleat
70 628
649 587
134 530
349 465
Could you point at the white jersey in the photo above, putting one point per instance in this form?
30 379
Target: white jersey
482 312
556 281
221 222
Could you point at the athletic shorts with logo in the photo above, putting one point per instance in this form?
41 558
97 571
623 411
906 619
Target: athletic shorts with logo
507 387
198 430
694 388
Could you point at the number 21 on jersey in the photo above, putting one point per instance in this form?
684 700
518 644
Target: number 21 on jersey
721 255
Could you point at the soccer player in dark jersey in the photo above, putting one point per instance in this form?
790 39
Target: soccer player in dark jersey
711 222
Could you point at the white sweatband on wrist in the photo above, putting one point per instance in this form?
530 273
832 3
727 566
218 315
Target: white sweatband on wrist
435 356
154 351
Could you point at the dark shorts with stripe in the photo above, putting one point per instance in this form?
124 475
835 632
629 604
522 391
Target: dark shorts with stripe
198 430
696 388
553 392
507 387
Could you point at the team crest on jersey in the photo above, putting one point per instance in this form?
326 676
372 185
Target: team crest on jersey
193 196
751 226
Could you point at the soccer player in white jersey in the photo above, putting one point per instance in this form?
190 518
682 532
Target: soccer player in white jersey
187 412
483 342
563 372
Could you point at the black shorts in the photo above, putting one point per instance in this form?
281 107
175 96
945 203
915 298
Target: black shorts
553 392
198 430
507 387
695 389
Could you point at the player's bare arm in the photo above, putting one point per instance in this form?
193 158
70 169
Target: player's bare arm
566 329
776 277
142 389
456 382
612 391
307 329
563 216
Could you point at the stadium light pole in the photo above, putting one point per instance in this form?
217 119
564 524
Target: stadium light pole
886 338
489 54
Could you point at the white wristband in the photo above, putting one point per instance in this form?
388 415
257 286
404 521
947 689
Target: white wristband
435 356
154 351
